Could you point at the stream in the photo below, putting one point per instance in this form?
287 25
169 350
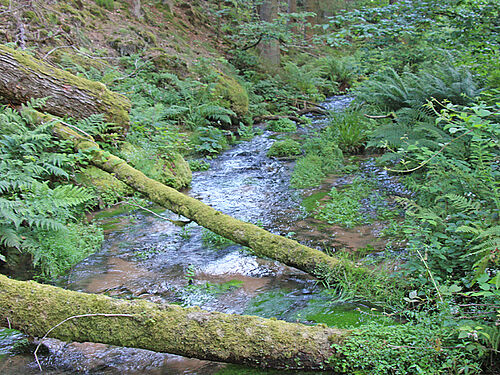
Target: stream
146 256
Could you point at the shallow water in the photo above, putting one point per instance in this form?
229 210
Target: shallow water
148 257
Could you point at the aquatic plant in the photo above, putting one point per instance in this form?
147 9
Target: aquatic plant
285 148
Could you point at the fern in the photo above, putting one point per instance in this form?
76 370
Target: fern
30 199
391 91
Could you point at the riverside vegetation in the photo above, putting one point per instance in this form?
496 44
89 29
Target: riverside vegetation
424 77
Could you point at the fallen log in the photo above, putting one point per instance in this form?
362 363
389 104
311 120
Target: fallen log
315 110
376 117
259 119
35 309
262 242
24 77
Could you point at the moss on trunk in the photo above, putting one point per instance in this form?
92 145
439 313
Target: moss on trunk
35 308
24 77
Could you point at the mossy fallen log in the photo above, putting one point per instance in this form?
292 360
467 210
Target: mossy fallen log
262 242
23 77
35 308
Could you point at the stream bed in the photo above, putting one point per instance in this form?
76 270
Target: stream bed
149 257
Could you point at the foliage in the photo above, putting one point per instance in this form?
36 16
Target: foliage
214 240
57 251
304 81
108 4
209 140
285 148
350 128
411 33
340 70
406 349
454 220
389 91
349 205
34 204
283 125
322 156
199 165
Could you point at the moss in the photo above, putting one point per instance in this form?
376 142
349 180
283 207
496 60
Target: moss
31 16
109 189
190 332
234 93
172 170
285 148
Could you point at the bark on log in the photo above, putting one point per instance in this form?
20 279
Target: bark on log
259 119
35 308
262 242
23 77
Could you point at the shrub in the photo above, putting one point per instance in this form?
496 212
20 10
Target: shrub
285 148
350 129
282 125
108 4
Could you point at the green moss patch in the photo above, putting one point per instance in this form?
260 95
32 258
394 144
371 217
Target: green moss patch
285 148
172 170
109 189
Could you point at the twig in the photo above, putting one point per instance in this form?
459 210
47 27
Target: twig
8 322
316 110
10 10
430 274
428 160
389 115
135 204
277 117
251 45
79 52
64 321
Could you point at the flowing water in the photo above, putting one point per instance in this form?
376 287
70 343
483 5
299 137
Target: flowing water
146 256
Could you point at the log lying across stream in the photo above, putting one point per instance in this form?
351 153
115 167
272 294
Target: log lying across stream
35 308
262 242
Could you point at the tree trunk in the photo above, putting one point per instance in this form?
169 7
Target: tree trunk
136 9
292 8
262 242
269 47
313 6
35 308
23 77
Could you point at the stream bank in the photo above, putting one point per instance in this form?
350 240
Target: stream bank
146 256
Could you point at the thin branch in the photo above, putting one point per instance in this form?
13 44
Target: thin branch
277 117
253 44
428 160
430 274
64 321
135 204
389 115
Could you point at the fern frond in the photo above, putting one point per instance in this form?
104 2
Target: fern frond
461 203
9 237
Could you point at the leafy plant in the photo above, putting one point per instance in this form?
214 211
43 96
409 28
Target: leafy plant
209 140
34 204
214 240
282 125
390 91
285 148
108 4
350 129
322 156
